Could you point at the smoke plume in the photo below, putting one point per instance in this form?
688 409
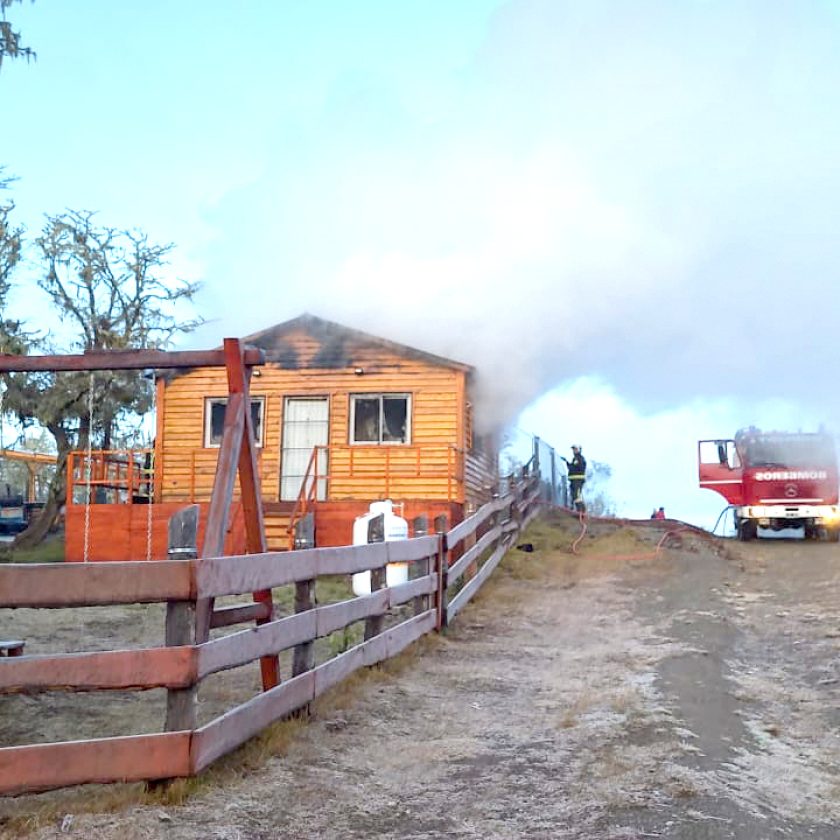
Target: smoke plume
642 192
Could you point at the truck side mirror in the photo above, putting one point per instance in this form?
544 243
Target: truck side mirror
721 447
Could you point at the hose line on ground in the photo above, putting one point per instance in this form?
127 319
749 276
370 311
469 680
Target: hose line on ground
674 527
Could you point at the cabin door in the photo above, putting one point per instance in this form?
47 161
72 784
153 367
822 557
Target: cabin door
306 424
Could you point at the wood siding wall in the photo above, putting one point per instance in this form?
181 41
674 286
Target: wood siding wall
121 532
185 468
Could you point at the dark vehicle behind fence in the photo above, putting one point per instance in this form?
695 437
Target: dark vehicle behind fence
16 514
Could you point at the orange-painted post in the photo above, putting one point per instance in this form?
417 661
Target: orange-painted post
71 475
157 453
249 485
328 473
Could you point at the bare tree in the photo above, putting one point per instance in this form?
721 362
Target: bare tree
107 285
109 290
10 45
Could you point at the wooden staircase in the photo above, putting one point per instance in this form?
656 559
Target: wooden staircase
276 528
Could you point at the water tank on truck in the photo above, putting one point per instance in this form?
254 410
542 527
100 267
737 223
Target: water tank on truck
395 528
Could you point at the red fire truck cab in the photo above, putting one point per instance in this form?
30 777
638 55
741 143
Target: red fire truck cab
775 480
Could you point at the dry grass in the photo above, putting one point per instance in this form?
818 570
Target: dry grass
23 815
29 813
571 714
550 561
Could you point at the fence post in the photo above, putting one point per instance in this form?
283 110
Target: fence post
496 522
376 533
304 656
420 527
442 570
180 618
518 496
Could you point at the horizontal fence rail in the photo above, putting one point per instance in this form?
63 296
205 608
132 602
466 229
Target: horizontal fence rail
449 566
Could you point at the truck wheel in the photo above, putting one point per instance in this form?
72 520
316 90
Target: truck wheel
747 530
832 534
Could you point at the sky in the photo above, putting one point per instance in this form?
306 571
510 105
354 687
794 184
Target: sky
623 214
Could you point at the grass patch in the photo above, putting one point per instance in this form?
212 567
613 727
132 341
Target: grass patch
330 589
51 550
342 640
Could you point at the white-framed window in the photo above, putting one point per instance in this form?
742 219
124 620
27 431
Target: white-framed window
214 420
380 418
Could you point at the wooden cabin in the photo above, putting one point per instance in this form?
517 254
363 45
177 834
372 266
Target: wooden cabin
341 419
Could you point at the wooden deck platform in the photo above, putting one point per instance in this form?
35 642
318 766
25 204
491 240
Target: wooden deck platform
119 531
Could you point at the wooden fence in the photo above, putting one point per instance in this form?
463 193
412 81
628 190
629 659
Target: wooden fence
438 591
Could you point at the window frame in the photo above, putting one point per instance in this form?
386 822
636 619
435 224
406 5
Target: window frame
381 395
208 420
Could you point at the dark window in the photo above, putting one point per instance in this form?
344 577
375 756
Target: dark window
394 419
214 420
379 418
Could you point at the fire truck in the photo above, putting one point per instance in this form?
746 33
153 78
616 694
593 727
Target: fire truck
775 480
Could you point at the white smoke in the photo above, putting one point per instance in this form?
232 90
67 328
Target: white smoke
644 192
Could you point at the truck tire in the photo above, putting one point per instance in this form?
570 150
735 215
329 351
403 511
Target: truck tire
747 530
832 534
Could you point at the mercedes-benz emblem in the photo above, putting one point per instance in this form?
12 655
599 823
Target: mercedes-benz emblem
790 490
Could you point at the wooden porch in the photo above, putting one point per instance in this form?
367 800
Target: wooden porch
119 501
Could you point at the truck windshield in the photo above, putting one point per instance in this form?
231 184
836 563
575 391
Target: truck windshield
788 451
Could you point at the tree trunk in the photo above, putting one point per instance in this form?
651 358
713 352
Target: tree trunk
41 524
107 432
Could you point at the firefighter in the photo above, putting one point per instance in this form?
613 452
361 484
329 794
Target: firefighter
577 476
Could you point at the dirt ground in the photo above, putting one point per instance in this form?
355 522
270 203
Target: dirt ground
693 695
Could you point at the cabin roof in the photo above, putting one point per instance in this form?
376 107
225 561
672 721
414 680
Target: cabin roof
334 339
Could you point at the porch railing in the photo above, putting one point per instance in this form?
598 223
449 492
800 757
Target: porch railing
382 468
116 475
127 476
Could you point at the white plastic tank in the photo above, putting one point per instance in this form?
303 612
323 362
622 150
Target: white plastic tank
396 528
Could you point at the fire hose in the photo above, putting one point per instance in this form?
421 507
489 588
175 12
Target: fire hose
673 527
